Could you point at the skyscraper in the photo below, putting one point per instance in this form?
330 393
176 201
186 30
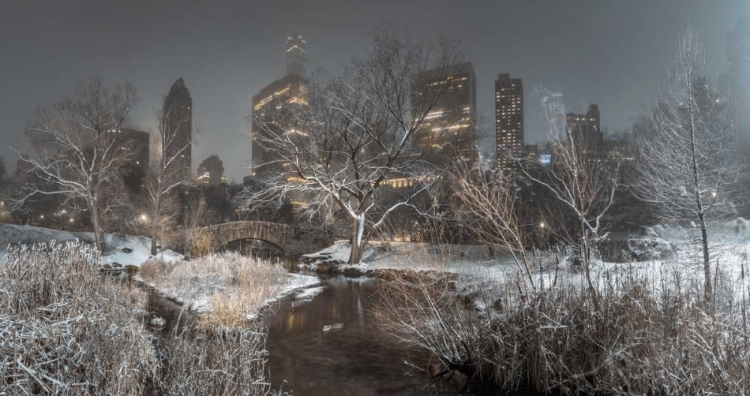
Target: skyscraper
449 128
275 102
585 130
296 57
178 110
211 171
509 122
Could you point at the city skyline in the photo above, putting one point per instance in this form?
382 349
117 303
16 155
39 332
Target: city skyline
225 60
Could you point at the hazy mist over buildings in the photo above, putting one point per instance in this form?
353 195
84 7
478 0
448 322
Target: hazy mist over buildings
609 53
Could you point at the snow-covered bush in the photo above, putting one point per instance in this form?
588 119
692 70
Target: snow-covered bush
226 287
557 341
67 329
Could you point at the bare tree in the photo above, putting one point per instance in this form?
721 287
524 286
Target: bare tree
490 206
580 178
166 173
78 150
687 163
341 148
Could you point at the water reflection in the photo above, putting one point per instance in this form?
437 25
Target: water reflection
357 359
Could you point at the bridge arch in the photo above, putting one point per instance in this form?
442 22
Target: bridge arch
276 234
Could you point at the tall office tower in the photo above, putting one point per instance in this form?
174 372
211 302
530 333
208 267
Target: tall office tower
509 122
449 128
178 110
296 57
585 131
274 105
738 57
211 171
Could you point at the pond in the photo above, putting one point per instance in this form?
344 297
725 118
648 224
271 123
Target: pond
357 359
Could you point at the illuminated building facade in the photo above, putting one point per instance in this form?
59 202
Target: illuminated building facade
211 172
449 128
296 57
178 109
585 130
509 121
274 106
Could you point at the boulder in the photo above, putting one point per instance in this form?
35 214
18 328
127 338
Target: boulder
131 269
126 250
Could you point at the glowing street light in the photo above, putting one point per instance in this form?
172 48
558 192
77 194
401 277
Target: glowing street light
713 194
542 225
144 218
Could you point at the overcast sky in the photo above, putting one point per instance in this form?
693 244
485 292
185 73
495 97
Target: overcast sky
613 53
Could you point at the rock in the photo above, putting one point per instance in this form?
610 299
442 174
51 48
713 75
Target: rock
353 272
644 249
650 232
115 264
325 267
157 323
106 267
126 250
140 313
131 269
470 300
740 225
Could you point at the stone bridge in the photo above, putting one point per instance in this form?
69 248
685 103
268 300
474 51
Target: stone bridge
277 234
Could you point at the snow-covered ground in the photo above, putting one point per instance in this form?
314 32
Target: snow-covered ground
678 247
136 250
122 249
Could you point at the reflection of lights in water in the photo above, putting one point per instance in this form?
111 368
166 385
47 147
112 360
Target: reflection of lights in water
297 321
289 320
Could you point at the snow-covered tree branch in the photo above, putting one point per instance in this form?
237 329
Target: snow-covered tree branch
166 173
78 150
338 150
687 164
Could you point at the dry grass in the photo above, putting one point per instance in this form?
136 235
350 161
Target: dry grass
65 329
201 243
636 342
226 287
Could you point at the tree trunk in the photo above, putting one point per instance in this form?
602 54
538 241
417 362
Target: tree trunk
153 243
707 290
96 222
357 240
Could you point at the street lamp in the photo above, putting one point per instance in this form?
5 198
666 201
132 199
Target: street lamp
144 218
542 225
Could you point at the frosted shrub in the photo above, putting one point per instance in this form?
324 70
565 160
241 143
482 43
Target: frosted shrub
226 287
636 342
66 329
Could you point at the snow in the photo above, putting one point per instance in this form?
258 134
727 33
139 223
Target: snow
298 286
201 299
474 264
140 246
729 247
141 250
